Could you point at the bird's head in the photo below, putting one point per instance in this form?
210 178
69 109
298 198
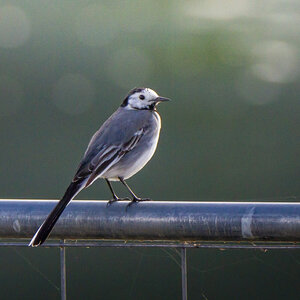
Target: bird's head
142 98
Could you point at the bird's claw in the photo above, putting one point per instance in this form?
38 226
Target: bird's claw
136 200
111 201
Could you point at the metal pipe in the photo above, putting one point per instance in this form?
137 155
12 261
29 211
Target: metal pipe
163 244
156 220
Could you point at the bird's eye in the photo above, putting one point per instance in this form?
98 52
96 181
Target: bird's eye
142 97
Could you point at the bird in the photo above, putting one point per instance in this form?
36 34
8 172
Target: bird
119 149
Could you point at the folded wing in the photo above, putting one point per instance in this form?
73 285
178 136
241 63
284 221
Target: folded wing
97 164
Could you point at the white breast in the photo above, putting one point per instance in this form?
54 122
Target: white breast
142 160
118 170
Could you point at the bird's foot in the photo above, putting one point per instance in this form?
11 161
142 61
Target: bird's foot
137 199
111 201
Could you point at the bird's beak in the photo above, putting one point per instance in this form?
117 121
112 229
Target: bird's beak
161 99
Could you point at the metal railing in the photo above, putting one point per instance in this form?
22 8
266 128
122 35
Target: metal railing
235 225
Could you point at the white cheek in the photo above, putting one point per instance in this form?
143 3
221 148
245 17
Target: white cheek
135 103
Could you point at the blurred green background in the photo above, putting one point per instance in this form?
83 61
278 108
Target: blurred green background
231 132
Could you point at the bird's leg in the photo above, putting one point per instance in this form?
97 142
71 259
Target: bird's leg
115 197
135 198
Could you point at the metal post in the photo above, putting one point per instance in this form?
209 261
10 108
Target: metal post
183 274
63 290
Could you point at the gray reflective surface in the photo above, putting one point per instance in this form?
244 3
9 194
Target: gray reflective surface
158 221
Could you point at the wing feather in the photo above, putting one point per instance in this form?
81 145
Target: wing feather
104 159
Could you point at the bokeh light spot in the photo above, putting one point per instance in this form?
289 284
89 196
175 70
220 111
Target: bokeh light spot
218 10
73 94
15 27
277 61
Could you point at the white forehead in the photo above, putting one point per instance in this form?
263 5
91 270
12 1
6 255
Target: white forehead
149 94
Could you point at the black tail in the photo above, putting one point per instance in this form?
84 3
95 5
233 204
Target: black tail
45 229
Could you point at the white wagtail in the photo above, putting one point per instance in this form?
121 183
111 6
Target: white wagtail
119 149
